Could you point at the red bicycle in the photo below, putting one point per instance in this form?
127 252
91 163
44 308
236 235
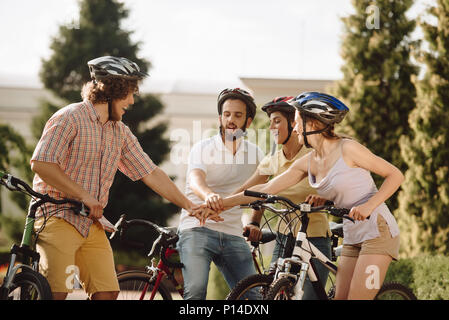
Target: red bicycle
148 284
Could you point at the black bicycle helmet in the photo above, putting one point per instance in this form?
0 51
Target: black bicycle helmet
108 66
281 104
240 94
323 107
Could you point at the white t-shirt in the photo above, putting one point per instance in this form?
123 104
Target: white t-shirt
225 173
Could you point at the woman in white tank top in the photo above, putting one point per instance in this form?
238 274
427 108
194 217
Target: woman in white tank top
340 171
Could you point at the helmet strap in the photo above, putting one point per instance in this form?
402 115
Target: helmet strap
232 137
305 134
290 130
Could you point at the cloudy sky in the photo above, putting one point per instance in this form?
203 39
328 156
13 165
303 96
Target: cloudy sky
193 39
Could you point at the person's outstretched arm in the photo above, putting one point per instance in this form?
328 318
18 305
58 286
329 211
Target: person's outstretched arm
161 183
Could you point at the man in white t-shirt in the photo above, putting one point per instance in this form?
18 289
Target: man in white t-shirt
217 167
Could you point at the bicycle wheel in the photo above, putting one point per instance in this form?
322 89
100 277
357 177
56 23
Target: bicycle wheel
30 285
395 291
281 289
261 283
137 285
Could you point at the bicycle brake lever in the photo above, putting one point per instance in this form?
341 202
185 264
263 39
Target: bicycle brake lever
84 210
345 216
156 247
9 184
118 226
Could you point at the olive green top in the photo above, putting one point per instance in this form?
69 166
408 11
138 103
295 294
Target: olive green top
276 164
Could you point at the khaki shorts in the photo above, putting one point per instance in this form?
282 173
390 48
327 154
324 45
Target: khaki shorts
385 244
65 252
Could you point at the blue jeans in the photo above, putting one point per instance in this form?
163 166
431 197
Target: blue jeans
321 243
198 247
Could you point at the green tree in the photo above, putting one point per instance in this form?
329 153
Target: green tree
424 200
377 74
14 155
97 33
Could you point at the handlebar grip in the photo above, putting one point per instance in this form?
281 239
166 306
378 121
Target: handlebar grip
246 233
255 194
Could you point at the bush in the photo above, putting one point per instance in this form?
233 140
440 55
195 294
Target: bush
217 288
427 276
12 229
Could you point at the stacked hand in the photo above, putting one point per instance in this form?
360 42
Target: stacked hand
203 212
214 202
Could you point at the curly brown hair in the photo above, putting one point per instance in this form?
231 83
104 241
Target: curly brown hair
108 89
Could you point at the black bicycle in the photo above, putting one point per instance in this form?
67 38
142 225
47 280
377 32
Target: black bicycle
23 280
300 257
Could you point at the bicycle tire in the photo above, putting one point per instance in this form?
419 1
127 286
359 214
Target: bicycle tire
388 291
30 285
281 289
395 291
132 284
256 280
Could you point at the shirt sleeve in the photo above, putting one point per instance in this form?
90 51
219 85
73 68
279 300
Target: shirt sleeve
196 158
265 168
55 141
134 162
260 155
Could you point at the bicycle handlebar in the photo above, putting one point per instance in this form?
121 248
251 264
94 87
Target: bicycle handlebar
267 236
15 184
256 194
302 207
166 239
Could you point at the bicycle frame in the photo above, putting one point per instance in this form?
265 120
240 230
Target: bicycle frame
161 270
163 247
30 257
298 265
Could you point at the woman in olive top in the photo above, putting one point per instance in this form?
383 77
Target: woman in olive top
281 126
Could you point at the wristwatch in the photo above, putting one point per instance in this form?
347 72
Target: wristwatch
254 223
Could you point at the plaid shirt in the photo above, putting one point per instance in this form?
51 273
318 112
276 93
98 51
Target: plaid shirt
90 154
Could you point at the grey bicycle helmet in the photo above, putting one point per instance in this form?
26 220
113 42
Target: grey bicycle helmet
108 67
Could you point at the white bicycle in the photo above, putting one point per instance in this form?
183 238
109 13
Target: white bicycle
291 271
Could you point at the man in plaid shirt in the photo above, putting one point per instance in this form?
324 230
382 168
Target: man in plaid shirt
81 148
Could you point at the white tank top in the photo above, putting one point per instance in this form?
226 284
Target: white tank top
349 187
